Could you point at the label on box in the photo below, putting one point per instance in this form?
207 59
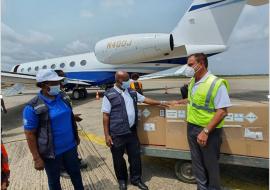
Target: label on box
182 114
149 127
172 114
146 112
229 117
162 113
230 125
256 135
239 117
251 117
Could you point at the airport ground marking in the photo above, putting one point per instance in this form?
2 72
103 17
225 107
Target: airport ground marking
92 137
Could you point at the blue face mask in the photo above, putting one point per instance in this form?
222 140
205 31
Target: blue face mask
125 84
54 90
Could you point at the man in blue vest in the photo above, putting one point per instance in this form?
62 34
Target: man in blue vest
207 101
120 119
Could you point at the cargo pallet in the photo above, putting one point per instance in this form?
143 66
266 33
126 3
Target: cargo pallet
183 169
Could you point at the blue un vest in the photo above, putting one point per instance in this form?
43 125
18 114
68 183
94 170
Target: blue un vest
119 124
44 131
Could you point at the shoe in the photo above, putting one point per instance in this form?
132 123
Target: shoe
140 185
83 164
122 186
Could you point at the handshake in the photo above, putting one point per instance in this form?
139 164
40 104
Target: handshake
168 104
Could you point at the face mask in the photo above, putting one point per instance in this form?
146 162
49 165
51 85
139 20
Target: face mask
125 84
54 90
190 71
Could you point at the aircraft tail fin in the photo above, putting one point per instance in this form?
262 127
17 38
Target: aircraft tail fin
210 21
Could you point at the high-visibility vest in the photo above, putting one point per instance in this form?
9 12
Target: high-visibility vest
137 86
201 108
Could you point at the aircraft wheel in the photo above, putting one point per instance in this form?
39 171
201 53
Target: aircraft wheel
83 93
76 94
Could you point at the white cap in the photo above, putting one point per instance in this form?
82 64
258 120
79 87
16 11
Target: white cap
47 75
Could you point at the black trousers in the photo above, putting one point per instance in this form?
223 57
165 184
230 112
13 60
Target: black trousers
130 144
205 164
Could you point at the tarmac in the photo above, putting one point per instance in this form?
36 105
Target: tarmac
158 173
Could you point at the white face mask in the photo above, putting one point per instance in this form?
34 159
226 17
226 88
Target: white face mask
190 71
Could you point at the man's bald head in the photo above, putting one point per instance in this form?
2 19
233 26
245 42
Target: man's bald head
121 76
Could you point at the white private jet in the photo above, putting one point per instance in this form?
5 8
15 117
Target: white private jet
205 27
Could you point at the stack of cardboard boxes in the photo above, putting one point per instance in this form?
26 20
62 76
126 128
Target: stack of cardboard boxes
245 131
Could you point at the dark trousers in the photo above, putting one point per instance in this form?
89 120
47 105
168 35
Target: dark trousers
70 161
131 145
205 164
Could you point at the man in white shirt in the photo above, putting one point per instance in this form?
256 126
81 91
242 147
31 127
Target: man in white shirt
120 118
207 101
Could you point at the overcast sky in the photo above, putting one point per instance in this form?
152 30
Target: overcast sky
34 30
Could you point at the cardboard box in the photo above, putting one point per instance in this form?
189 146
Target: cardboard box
151 128
247 114
246 129
246 141
245 132
176 128
176 135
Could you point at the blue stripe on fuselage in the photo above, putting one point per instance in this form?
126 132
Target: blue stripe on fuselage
107 77
195 7
98 77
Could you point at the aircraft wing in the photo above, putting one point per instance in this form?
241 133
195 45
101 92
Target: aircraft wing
176 71
13 83
10 77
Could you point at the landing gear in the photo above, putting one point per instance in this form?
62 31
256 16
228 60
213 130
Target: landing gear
76 94
79 93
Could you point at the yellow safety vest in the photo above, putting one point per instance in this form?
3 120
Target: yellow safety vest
201 108
132 85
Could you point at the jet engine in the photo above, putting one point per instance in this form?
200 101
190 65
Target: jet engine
134 48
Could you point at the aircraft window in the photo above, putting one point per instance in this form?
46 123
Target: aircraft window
36 68
53 66
62 65
44 67
83 62
22 69
29 69
72 63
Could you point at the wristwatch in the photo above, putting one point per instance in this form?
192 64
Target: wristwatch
206 131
